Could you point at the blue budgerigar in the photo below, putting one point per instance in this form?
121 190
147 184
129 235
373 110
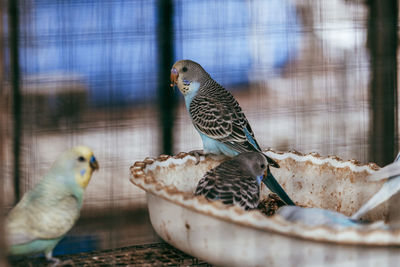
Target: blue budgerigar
388 189
217 117
50 209
235 181
320 217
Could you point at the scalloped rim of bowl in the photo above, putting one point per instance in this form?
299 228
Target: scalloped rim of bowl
255 219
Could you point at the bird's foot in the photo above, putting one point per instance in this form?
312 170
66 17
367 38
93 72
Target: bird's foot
57 262
54 261
197 154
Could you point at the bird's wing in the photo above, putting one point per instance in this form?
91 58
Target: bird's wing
221 118
388 171
223 121
249 194
316 217
229 186
206 185
388 189
40 220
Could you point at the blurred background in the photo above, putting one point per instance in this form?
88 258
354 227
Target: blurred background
310 75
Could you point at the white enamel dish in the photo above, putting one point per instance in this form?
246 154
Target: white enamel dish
229 236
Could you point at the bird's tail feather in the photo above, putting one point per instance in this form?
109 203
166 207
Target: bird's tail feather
275 187
271 162
388 171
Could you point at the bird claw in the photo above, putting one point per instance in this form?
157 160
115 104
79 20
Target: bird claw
55 262
197 154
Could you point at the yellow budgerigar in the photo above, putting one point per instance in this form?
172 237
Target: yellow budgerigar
50 209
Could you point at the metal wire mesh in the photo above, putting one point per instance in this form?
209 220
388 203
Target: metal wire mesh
299 69
159 254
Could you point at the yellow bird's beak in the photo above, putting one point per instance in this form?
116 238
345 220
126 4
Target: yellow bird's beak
174 77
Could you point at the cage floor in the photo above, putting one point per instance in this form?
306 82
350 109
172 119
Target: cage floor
159 254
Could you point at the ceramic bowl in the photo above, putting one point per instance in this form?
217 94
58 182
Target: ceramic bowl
229 236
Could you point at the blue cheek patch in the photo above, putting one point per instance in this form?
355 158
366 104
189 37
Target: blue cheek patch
92 159
83 172
259 179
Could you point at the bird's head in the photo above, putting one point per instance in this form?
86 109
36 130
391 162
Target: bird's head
256 163
81 161
187 75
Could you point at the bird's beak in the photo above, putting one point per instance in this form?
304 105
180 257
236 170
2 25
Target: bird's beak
93 163
174 77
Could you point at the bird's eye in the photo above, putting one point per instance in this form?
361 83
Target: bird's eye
184 69
262 166
81 159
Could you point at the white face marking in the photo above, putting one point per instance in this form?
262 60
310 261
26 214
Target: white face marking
194 86
186 89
